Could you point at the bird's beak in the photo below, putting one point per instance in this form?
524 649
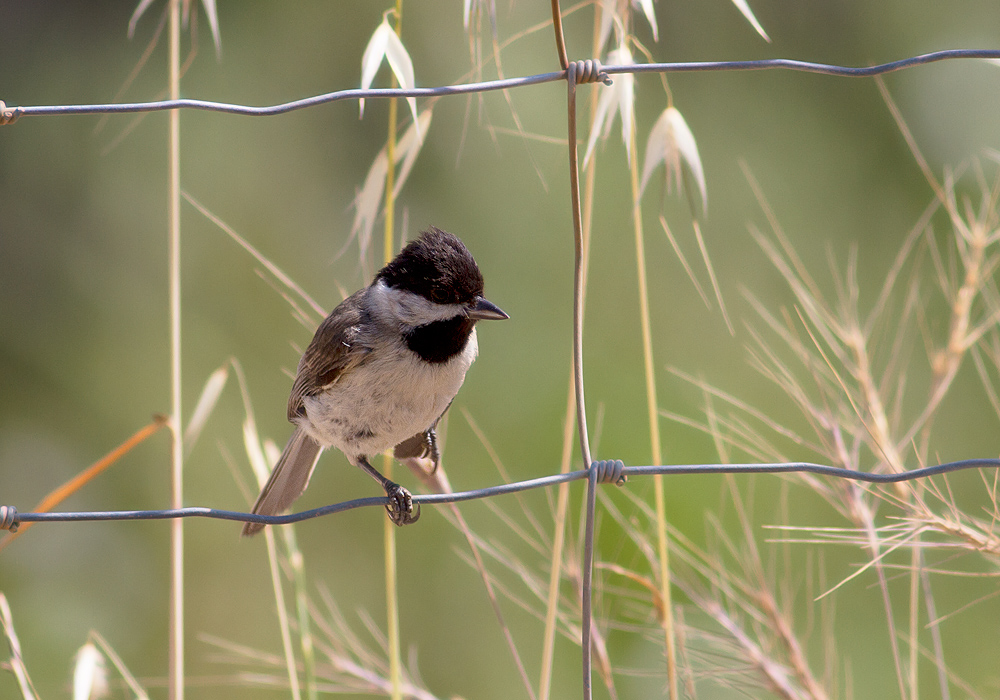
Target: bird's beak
483 310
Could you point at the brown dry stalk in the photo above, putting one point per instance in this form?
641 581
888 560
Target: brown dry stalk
793 649
64 491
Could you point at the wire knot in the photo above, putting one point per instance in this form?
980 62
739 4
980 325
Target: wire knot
589 71
8 115
9 519
609 471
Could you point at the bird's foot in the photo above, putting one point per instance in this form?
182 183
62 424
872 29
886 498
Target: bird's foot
400 506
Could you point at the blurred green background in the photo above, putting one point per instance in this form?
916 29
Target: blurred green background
83 297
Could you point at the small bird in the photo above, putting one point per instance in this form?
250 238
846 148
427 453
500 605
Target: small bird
382 370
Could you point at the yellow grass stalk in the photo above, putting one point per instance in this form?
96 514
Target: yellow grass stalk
654 425
389 533
176 653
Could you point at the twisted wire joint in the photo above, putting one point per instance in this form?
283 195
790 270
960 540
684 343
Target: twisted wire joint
8 115
589 71
9 519
609 471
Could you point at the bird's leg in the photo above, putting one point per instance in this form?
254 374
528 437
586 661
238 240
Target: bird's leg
400 507
432 449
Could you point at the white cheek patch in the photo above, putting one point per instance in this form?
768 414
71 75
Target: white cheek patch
407 308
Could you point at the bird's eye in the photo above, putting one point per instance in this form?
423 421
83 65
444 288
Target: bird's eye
439 295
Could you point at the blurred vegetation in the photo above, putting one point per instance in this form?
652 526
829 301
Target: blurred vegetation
84 340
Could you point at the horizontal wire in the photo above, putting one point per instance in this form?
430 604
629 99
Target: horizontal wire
805 66
285 107
14 518
10 114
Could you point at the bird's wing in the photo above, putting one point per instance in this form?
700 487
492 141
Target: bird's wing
336 348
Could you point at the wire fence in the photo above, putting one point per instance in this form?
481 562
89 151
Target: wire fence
10 114
607 471
601 472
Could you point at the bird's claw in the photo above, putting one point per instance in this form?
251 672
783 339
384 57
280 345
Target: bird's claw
400 506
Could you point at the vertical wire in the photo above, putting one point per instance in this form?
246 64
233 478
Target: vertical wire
578 273
588 575
562 505
560 39
581 406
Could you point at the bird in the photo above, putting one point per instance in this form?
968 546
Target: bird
382 369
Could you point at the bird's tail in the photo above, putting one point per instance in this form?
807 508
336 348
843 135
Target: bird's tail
288 479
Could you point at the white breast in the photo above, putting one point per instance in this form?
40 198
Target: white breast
393 396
